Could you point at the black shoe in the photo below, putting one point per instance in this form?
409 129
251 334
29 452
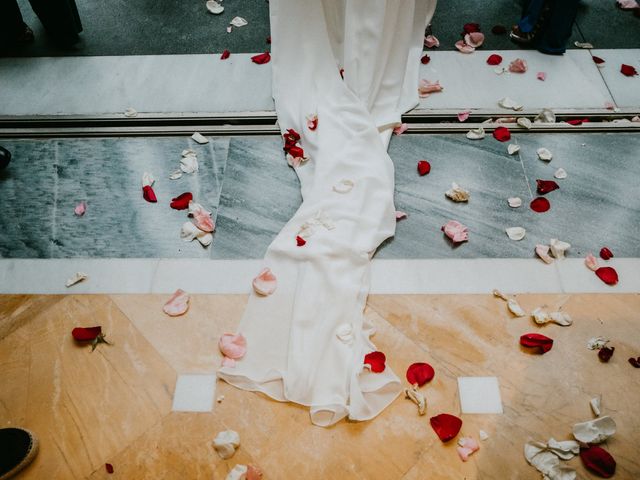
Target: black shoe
5 157
18 448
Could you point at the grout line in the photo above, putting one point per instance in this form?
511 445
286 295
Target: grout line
54 212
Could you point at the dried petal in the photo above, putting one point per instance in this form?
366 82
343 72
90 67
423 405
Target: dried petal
509 104
201 216
425 59
199 138
424 167
535 340
265 283
181 202
416 397
420 373
594 403
463 47
541 76
494 59
544 154
470 28
312 122
108 467
463 116
512 148
80 209
300 242
540 205
591 262
628 70
343 186
635 362
476 134
558 248
226 443
594 431
514 202
543 252
524 122
225 54
560 174
545 116
178 304
456 231
175 175
502 134
605 253
467 446
262 58
516 233
430 41
376 361
598 461
425 87
546 186
75 278
190 232
515 308
561 318
518 66
474 39
608 275
446 426
583 44
238 22
483 435
457 193
605 354
596 343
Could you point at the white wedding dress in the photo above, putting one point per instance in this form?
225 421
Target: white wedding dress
307 341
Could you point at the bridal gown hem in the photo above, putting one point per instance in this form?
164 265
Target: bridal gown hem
307 341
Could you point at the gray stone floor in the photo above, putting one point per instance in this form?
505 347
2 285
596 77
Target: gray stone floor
139 27
246 182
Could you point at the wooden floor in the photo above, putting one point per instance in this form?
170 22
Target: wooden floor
114 405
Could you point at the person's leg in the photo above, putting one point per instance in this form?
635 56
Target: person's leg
558 27
12 27
60 19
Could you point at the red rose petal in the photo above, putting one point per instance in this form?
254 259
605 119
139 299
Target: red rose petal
598 461
502 134
494 59
628 70
262 58
420 373
499 30
300 241
605 353
296 151
181 202
540 205
471 27
598 60
426 59
424 167
86 334
446 426
605 253
608 275
226 54
546 186
148 194
535 340
376 361
577 121
291 137
635 362
108 467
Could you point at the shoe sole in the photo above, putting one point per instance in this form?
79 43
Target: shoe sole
31 454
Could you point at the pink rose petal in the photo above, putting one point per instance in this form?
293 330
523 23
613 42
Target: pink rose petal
518 66
400 129
400 215
543 252
202 217
456 231
265 283
591 262
467 446
426 87
430 41
233 346
464 48
178 304
462 116
80 209
541 76
474 39
494 59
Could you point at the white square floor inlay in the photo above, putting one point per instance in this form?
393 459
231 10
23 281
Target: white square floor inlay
194 393
479 395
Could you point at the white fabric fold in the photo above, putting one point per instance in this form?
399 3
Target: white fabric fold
293 351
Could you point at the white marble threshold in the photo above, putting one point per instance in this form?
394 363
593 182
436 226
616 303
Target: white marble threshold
432 276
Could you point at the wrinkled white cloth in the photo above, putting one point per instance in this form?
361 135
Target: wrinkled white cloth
294 350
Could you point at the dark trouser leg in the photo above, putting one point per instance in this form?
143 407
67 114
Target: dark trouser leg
59 17
558 27
11 23
530 15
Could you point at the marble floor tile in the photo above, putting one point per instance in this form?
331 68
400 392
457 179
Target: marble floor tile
194 393
28 190
625 90
150 84
573 81
107 174
598 204
259 195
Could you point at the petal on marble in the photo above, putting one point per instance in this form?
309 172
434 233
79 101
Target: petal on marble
233 346
149 195
476 134
494 59
512 148
510 104
75 278
516 233
598 461
519 65
376 361
201 217
514 202
300 242
400 129
265 283
608 275
130 112
419 374
400 215
291 136
463 47
585 45
544 154
446 426
199 138
262 58
605 354
605 253
560 174
474 39
535 340
80 209
598 61
558 248
425 59
86 334
546 186
543 252
628 70
226 54
178 304
431 41
502 134
424 167
425 87
470 27
591 262
467 446
540 205
456 231
542 76
524 122
181 202
463 116
594 431
457 193
238 22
